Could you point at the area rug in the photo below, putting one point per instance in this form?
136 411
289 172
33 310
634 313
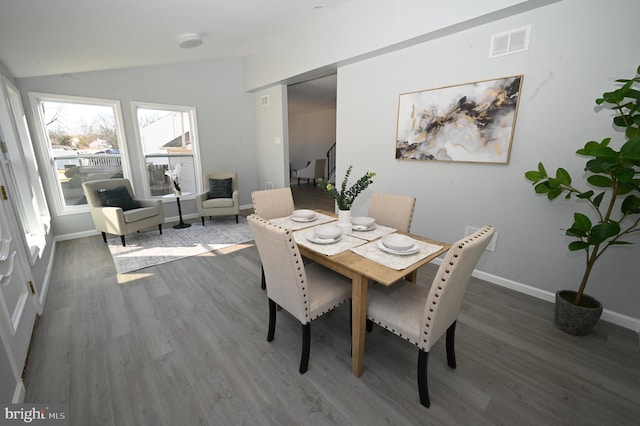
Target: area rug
149 248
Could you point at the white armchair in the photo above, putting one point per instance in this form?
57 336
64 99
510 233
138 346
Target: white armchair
115 210
315 170
222 197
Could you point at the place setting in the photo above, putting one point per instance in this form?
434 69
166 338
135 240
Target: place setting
327 239
396 251
366 228
302 218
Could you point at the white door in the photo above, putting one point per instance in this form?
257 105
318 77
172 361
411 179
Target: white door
18 308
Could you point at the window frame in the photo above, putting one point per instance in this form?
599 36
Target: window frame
194 139
30 203
44 144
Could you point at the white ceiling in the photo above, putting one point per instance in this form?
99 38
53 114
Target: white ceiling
64 36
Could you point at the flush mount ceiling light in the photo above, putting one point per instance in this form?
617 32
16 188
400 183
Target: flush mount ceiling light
189 40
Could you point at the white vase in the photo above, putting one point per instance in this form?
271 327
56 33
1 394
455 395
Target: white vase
344 221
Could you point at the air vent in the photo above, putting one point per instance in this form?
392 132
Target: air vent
509 42
264 100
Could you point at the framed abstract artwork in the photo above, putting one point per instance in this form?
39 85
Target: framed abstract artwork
471 122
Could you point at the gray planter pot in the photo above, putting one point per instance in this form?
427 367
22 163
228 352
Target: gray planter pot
574 319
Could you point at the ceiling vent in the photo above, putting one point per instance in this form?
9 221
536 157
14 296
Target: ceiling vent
509 42
264 100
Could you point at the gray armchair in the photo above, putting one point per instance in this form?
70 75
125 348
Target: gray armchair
222 197
115 210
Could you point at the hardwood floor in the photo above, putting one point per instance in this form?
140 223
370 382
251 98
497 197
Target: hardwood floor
184 343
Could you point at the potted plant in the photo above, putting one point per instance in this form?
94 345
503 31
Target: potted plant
615 205
345 196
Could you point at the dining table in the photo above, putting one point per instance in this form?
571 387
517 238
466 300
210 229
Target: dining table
358 256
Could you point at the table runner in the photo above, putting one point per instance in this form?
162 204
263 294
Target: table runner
286 222
394 261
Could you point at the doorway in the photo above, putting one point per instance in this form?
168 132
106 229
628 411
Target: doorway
312 122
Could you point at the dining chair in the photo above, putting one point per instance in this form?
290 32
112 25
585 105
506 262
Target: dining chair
271 204
422 315
306 292
394 211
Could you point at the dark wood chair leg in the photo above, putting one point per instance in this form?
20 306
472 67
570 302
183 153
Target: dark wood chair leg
122 239
369 325
202 220
104 237
306 347
451 349
263 284
237 219
423 389
272 321
160 228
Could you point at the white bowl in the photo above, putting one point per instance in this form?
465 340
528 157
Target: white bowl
363 221
327 232
398 242
304 214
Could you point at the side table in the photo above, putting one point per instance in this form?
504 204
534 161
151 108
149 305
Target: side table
182 223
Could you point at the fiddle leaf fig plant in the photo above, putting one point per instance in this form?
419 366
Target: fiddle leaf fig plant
615 175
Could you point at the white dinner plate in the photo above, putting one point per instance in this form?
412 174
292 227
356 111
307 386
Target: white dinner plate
303 219
363 228
412 250
315 239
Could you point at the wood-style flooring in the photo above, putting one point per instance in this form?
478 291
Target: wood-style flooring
184 343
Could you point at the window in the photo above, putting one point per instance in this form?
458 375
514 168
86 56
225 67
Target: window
83 138
168 137
22 175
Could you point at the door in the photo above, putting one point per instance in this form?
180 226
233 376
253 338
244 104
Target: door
18 305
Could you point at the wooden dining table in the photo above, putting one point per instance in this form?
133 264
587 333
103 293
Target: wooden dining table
361 270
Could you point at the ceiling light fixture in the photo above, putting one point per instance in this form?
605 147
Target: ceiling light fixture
189 40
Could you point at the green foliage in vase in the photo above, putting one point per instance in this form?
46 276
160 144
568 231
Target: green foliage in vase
615 174
345 197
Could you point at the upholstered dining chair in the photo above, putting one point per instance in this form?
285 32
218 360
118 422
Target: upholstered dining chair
115 210
273 203
315 170
306 292
221 199
420 315
394 211
270 204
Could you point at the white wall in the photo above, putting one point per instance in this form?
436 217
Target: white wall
224 111
361 27
311 134
578 48
272 138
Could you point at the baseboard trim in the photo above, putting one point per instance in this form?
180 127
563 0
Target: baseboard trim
19 393
607 315
47 278
76 235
